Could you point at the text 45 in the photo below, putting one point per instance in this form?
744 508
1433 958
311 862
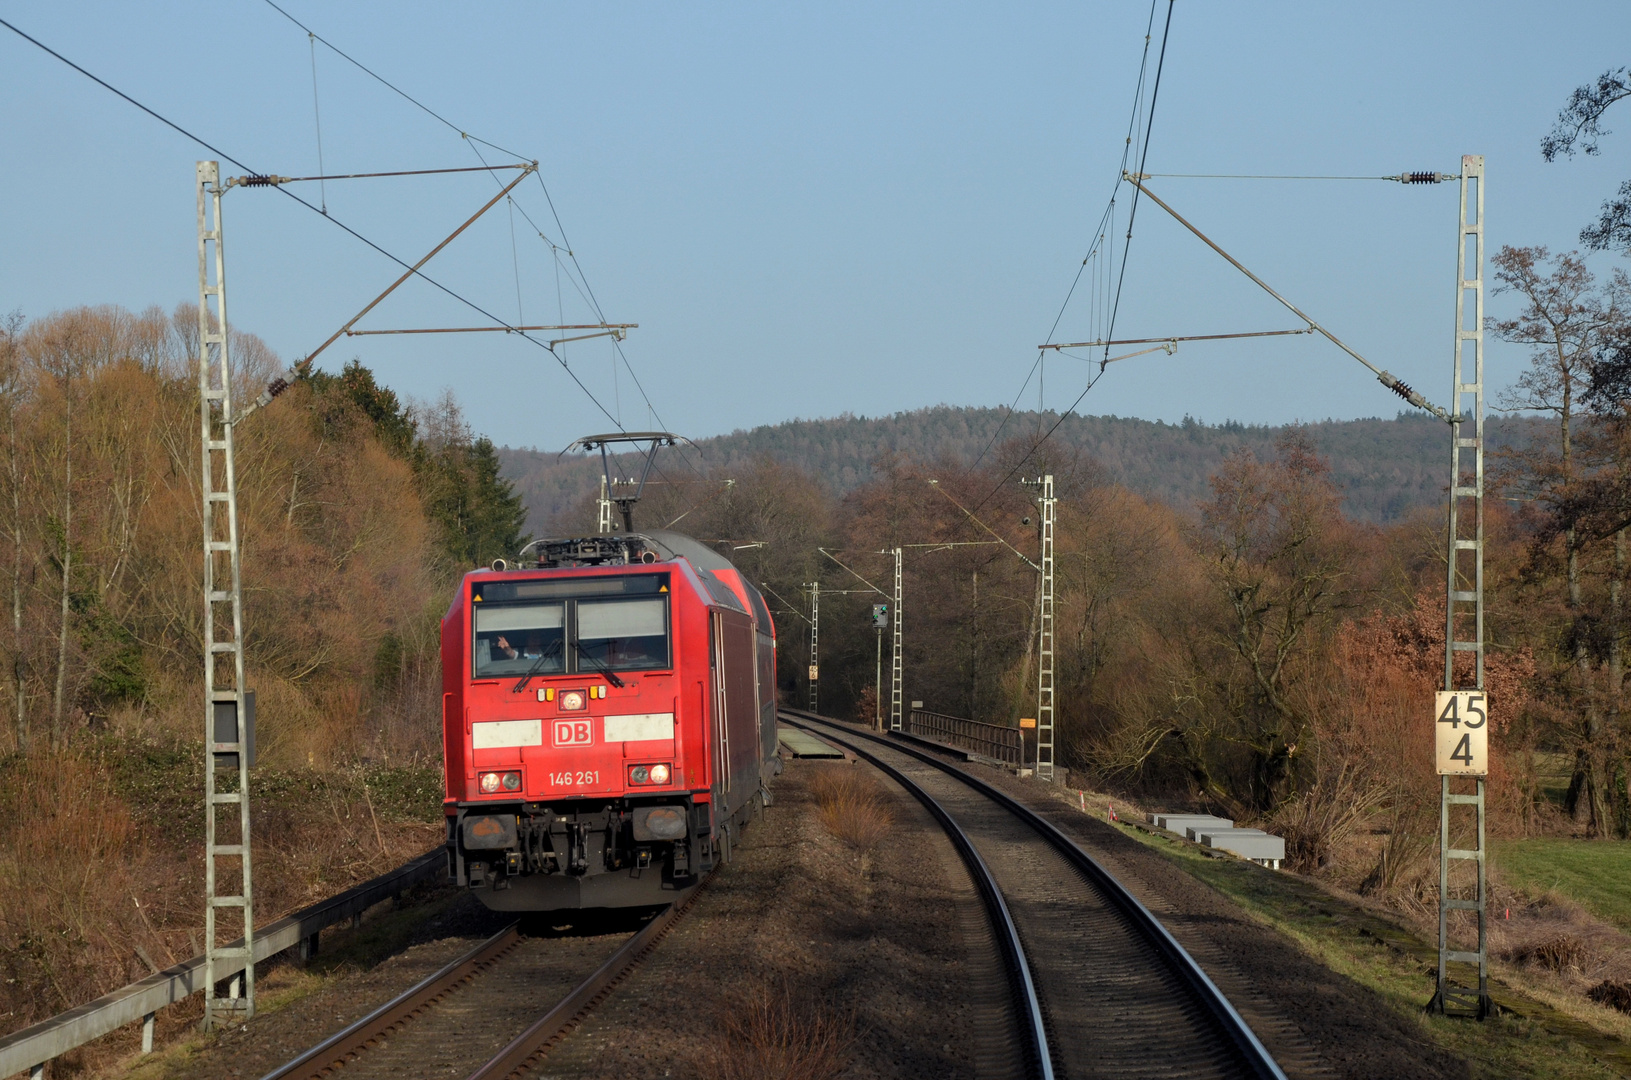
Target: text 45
1461 724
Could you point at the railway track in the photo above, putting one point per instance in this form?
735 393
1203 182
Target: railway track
453 1011
1100 987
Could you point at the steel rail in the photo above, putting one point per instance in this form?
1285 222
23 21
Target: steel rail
1251 1050
1002 921
529 1047
332 1054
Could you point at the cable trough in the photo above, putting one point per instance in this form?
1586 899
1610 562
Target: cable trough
1105 990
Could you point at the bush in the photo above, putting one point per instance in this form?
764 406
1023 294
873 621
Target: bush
852 806
1615 995
779 1035
1554 953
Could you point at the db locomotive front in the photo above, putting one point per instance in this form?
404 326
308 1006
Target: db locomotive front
608 721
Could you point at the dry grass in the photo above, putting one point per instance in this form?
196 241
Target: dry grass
779 1035
852 806
101 862
1561 953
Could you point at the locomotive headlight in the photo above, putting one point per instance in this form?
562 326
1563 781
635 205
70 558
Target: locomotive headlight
659 774
640 774
512 781
489 782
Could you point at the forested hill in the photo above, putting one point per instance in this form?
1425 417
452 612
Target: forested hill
1386 467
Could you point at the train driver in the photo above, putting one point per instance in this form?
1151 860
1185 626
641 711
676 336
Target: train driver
531 649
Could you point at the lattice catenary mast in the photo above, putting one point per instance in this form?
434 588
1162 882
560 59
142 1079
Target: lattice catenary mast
227 720
1464 599
815 642
1044 655
895 671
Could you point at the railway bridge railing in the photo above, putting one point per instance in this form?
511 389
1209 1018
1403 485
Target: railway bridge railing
994 741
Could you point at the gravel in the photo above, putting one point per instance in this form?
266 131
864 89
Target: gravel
1316 1022
806 954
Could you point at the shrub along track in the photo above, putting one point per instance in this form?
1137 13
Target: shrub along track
1118 995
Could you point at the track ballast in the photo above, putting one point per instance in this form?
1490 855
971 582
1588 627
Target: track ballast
1115 994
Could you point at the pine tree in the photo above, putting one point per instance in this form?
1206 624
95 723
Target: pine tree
496 511
476 510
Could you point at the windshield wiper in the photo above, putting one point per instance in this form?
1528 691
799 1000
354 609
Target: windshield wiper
537 665
599 668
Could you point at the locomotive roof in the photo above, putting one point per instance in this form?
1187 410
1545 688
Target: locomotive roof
667 546
677 545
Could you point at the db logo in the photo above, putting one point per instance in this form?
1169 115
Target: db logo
573 733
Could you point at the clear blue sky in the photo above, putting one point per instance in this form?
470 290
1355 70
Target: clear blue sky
810 209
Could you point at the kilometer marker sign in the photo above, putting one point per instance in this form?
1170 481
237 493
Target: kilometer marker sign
1461 727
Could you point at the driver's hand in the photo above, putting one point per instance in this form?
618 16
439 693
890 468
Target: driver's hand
504 646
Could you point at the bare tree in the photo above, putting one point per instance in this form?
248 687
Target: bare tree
62 358
1282 561
1566 320
1580 123
11 366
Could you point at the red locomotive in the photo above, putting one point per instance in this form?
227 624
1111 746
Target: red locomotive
609 721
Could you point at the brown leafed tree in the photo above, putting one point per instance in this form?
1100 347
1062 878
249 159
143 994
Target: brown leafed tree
1282 559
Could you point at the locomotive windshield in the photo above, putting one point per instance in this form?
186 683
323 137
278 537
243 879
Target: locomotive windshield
588 625
623 635
518 638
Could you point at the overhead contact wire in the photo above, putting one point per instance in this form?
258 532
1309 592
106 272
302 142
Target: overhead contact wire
1144 152
1108 214
580 282
463 134
390 85
327 217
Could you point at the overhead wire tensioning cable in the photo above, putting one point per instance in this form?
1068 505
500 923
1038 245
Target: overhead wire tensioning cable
515 264
317 117
1261 176
314 209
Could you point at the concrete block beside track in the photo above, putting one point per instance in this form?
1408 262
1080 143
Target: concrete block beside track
1199 833
1179 823
1247 843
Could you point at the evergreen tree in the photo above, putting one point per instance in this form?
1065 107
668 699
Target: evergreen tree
477 512
393 422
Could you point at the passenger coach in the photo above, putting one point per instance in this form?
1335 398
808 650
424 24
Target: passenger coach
608 721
